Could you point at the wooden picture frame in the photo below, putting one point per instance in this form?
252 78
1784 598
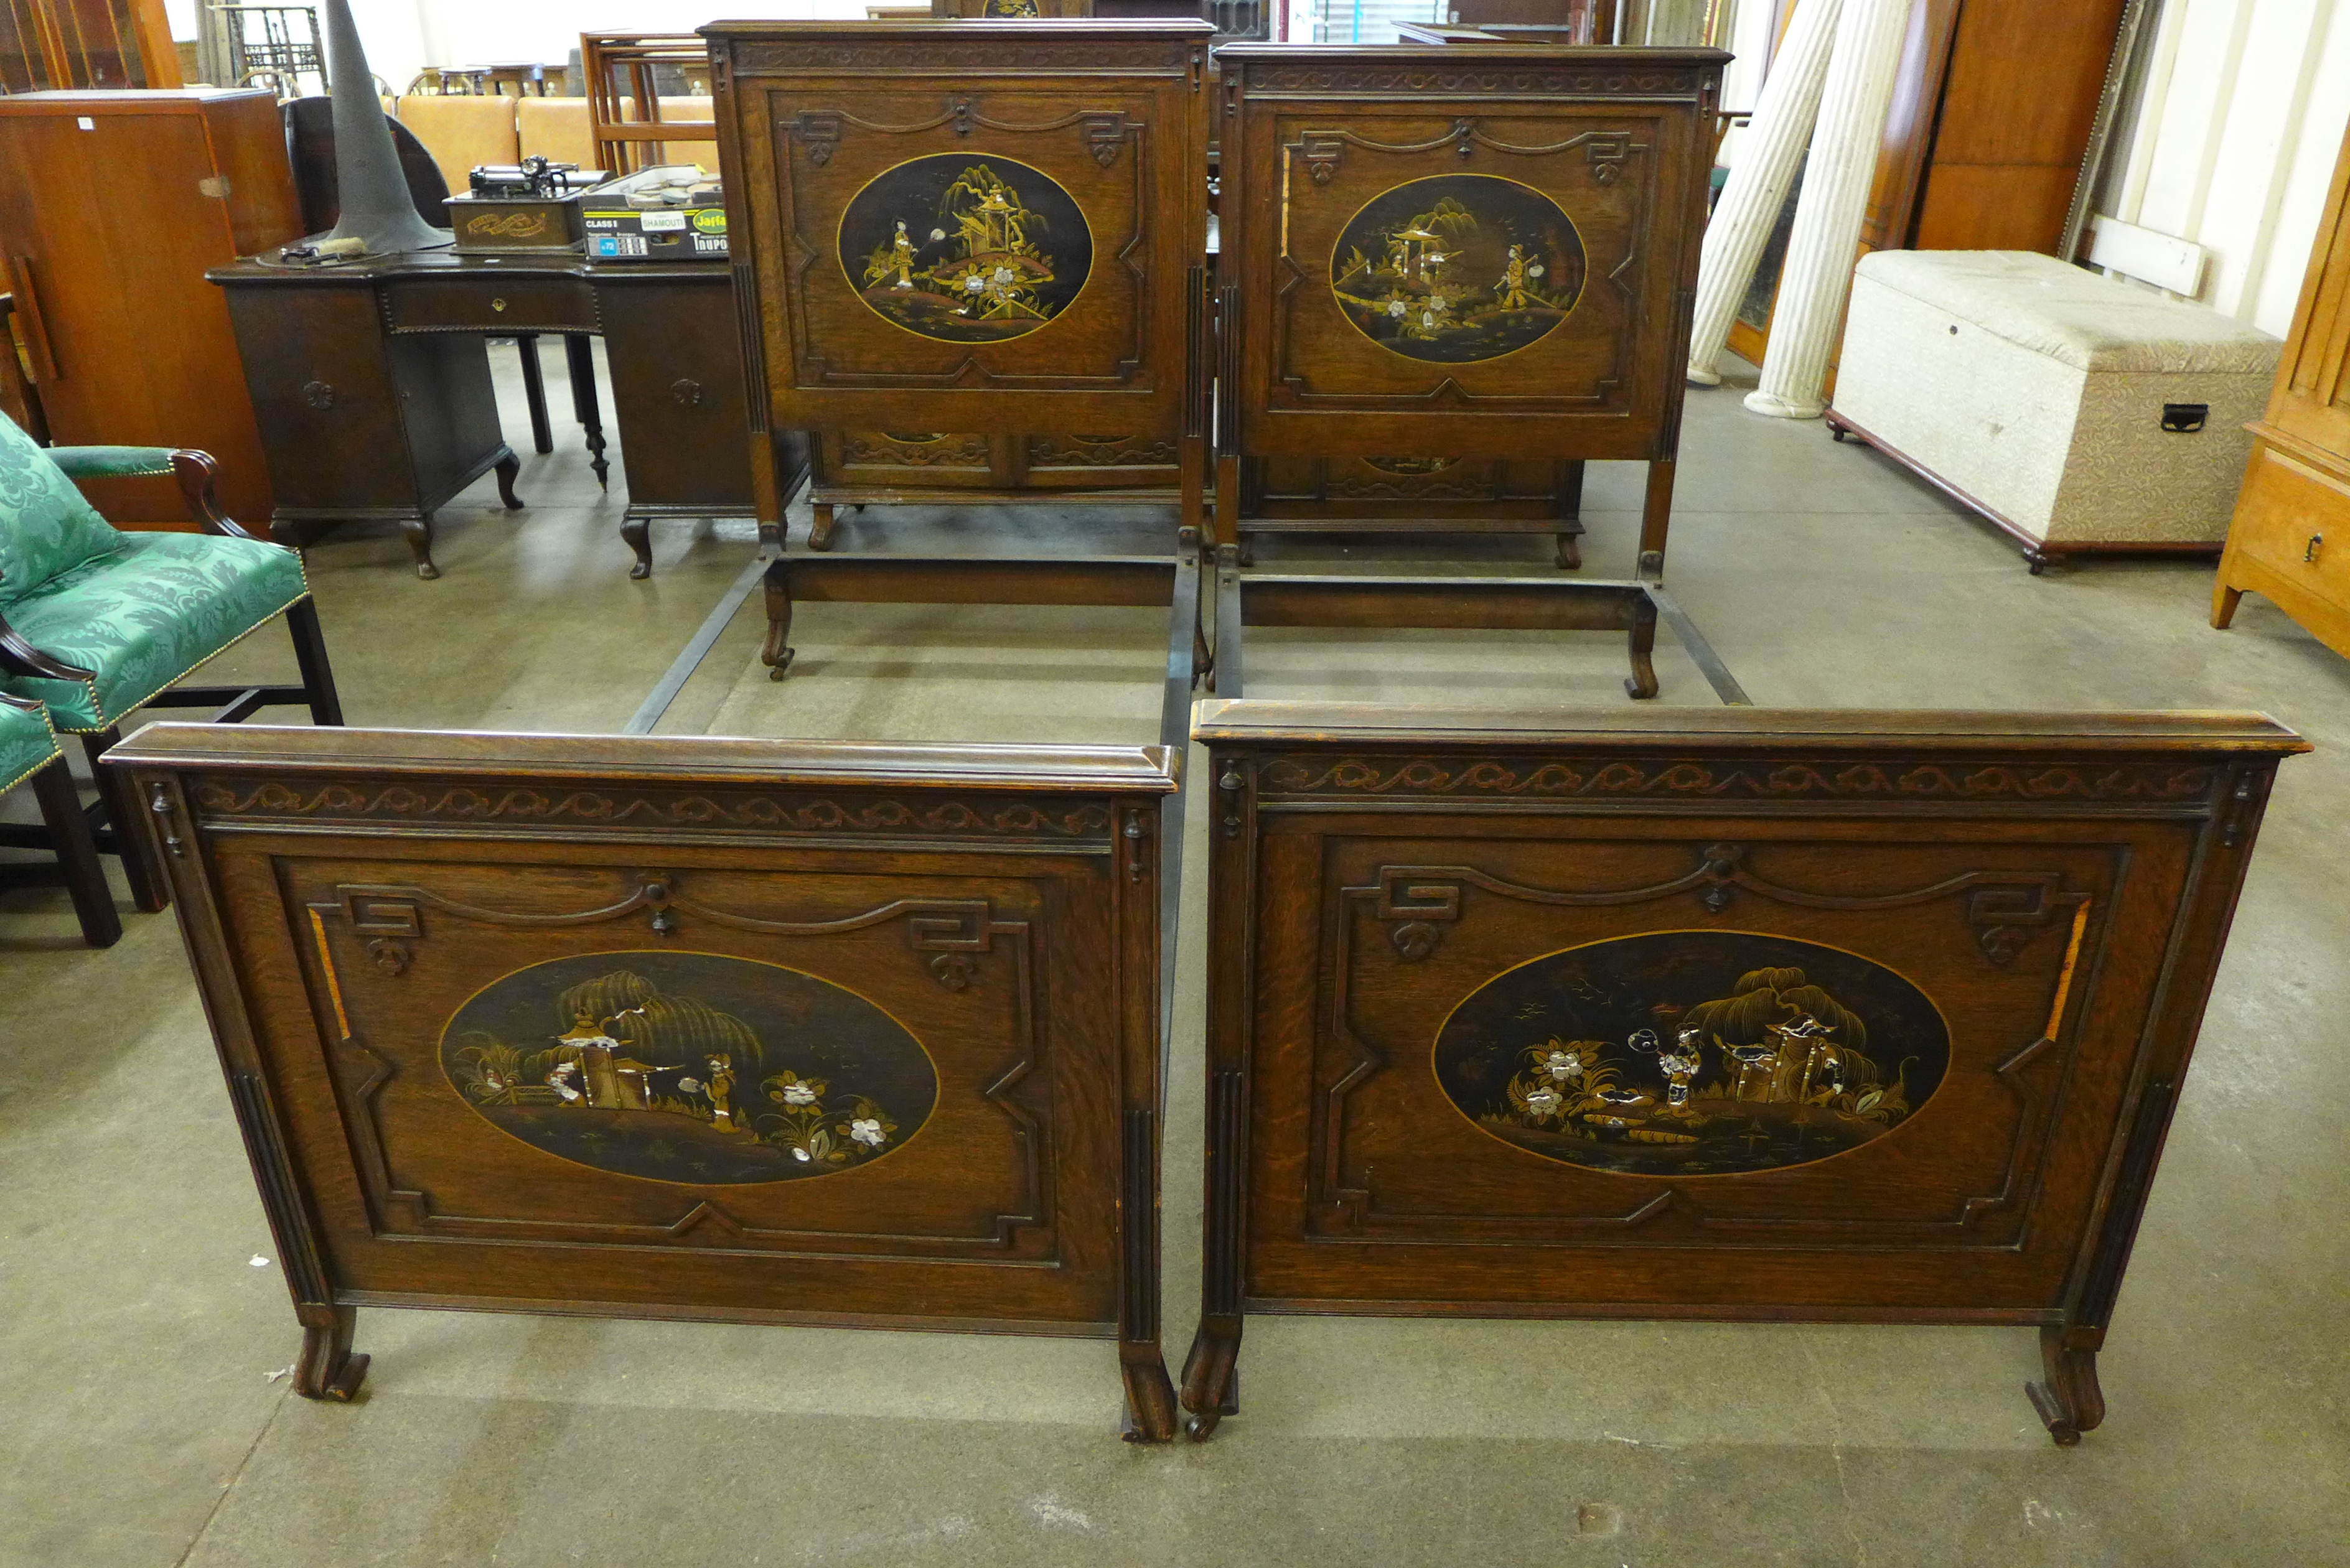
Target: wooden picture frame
627 1026
1684 1013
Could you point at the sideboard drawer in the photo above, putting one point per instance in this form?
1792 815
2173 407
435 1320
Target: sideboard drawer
2294 519
473 303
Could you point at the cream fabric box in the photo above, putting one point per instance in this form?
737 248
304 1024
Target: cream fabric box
2077 413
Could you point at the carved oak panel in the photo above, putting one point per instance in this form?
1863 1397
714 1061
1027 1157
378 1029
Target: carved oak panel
1485 260
1003 220
645 1027
853 464
1739 1014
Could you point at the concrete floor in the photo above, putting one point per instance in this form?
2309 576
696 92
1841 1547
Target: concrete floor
143 1321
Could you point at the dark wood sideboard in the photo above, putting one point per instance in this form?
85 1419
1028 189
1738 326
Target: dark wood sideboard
371 383
772 1031
1729 1014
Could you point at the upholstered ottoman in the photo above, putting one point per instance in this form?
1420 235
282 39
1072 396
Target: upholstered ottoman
2076 412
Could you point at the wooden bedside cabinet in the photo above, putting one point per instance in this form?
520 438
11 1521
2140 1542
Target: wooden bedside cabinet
2291 537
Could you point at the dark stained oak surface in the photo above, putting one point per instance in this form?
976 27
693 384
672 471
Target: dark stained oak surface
1452 252
776 1031
1737 1015
1774 728
968 250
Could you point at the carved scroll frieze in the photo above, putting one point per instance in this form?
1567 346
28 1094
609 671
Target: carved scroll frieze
1408 777
915 451
1099 452
1410 487
997 57
1267 76
523 807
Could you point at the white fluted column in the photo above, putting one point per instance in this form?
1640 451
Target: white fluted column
1768 156
1826 239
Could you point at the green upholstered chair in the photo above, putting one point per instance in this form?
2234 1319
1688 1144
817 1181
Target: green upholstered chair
95 622
29 754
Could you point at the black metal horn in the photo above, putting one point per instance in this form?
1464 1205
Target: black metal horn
378 210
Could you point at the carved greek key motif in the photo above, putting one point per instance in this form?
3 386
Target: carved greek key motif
1606 153
1320 149
1106 130
818 130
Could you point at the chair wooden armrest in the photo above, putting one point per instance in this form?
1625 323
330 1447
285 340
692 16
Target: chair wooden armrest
18 657
193 470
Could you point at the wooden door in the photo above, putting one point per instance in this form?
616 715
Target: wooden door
2311 404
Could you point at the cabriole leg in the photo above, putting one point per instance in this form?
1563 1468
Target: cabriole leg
2069 1400
328 1369
636 531
777 653
1643 640
418 530
1211 1378
509 469
1149 1395
1569 486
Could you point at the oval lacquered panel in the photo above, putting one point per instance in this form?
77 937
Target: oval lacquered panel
1458 268
689 1067
1692 1054
965 249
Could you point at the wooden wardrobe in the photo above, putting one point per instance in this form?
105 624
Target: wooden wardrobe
2291 537
1990 118
59 44
111 206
